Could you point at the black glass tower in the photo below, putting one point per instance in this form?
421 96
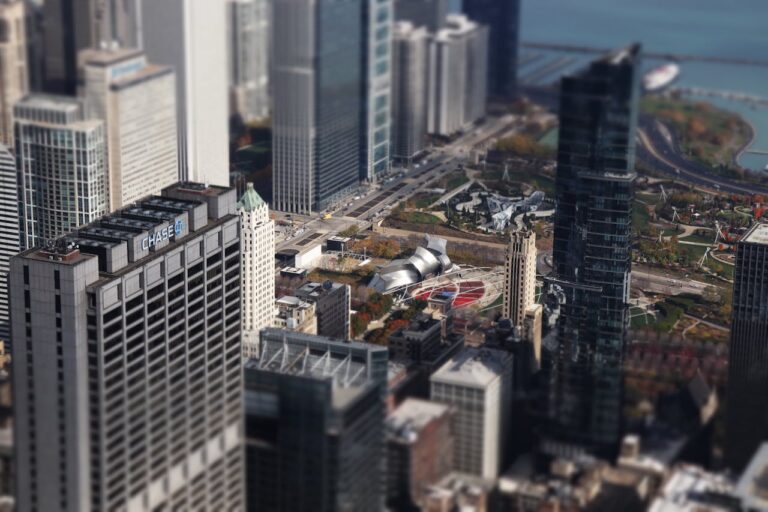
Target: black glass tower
503 18
595 173
747 403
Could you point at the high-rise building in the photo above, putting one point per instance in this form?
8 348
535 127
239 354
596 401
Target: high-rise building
137 101
9 233
458 67
67 28
248 58
14 71
190 36
519 276
258 251
409 91
316 122
532 329
430 14
503 18
419 451
478 384
128 363
333 302
591 253
62 161
314 424
747 403
116 23
376 92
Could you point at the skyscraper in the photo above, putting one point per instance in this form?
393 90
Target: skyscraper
315 424
116 23
67 28
430 14
249 58
591 254
519 276
137 101
190 36
14 71
478 384
332 307
747 404
9 233
317 76
409 90
258 241
458 63
503 18
128 360
62 161
376 94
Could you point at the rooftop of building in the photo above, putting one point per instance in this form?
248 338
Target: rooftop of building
314 289
691 488
51 102
250 199
753 484
410 418
758 234
474 367
290 301
127 238
108 56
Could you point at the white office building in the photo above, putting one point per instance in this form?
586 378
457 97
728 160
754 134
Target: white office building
519 276
258 254
137 102
409 91
478 384
61 157
248 58
14 71
9 232
190 36
458 68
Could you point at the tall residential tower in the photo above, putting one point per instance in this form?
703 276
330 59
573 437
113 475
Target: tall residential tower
520 276
9 233
249 58
14 66
591 254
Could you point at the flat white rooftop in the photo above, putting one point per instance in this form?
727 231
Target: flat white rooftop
473 367
757 235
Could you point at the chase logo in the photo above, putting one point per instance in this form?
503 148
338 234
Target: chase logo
167 233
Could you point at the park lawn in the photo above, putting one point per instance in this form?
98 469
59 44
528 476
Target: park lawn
650 199
640 217
699 238
640 318
418 218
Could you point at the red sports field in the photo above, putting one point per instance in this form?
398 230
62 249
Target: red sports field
464 293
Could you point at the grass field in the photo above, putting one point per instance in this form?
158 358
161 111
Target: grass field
640 217
640 318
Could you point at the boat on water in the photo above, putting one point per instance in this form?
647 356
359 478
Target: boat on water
661 77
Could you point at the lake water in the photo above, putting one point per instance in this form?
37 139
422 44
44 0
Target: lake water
718 28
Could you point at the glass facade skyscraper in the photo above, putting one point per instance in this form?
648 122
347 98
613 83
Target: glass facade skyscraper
595 174
503 18
317 73
747 404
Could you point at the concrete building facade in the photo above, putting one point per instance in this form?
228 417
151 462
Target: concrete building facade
258 251
61 159
137 102
9 233
14 65
189 36
333 303
409 91
519 276
478 384
128 360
